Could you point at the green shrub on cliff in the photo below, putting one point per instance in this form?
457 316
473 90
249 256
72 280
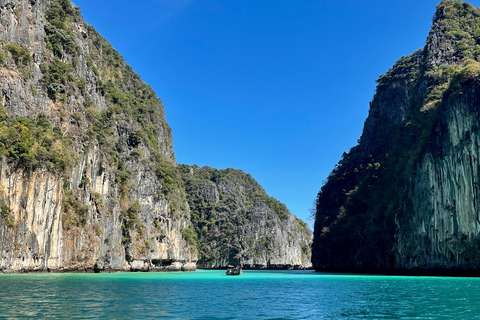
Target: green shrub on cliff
59 35
131 222
57 77
6 214
20 55
169 176
470 70
190 237
405 69
74 212
59 12
30 144
131 215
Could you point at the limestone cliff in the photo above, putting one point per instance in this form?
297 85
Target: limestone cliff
406 198
235 221
88 178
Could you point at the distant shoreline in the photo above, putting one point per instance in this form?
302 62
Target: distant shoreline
92 270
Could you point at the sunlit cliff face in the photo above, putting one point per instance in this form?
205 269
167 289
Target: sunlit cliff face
405 198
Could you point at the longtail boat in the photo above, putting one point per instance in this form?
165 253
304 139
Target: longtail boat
234 271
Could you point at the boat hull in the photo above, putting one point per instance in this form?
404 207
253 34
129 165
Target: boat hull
233 272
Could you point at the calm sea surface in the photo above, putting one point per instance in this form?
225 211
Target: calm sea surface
253 295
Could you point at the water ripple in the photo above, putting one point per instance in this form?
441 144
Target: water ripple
255 295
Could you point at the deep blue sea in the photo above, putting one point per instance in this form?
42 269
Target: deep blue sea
253 295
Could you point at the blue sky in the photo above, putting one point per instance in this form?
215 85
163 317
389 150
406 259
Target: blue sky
279 89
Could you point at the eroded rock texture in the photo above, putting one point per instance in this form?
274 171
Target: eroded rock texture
405 199
91 182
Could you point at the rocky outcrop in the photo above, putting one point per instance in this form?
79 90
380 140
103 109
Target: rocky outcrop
88 177
236 222
405 200
90 182
34 239
443 228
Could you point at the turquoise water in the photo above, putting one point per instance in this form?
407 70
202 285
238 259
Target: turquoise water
253 295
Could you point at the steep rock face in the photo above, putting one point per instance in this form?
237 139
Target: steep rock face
36 240
443 228
88 177
235 222
406 198
391 103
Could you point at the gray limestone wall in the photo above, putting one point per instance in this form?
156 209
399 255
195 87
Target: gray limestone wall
439 226
40 239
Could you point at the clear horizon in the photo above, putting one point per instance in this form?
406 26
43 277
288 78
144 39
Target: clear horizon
278 89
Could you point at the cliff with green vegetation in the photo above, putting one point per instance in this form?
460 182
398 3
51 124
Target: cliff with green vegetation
234 221
87 178
405 199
